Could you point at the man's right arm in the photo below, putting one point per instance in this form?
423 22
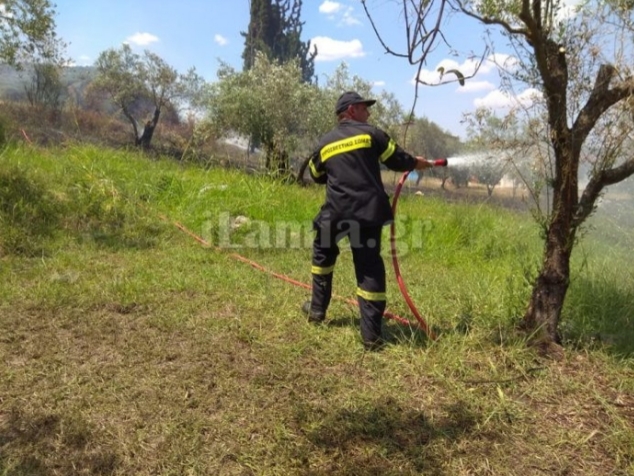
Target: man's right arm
396 158
422 163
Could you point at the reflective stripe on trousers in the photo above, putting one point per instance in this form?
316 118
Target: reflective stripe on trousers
365 243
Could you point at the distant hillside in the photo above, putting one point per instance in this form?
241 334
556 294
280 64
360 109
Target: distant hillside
74 78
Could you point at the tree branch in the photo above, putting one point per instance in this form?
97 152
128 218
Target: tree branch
418 36
600 100
493 21
597 183
378 35
132 120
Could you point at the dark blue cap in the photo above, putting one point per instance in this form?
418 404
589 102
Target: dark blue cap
348 99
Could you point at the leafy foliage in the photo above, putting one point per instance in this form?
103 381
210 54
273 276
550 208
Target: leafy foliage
264 103
27 30
128 79
45 87
459 175
489 171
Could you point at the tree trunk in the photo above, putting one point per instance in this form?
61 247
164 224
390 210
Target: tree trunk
541 319
542 316
135 128
148 131
277 162
302 170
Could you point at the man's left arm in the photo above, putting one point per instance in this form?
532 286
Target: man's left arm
317 168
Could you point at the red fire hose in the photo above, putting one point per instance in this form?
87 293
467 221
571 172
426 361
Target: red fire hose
399 278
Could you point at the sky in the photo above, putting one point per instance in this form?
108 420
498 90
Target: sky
202 33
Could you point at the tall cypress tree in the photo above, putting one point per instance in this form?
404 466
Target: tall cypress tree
275 29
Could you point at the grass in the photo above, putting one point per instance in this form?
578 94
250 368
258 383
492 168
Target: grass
129 348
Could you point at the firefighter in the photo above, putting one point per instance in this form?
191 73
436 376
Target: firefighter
348 161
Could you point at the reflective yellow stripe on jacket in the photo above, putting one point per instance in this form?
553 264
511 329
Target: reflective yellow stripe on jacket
362 141
391 147
313 170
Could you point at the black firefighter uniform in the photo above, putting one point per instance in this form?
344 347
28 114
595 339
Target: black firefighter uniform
348 160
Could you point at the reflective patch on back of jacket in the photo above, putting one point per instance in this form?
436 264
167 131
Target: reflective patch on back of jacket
361 141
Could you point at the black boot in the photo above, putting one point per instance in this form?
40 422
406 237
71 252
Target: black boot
322 293
314 317
374 345
371 322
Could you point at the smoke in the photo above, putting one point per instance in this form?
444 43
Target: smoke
612 221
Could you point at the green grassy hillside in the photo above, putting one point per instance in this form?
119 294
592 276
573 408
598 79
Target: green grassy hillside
130 347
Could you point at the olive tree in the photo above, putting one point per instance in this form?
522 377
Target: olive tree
45 86
459 175
267 103
518 145
489 171
493 142
579 61
27 31
141 86
28 37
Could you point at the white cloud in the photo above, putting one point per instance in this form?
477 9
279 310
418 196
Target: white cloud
495 99
333 50
501 100
329 7
142 39
337 11
221 40
349 19
378 84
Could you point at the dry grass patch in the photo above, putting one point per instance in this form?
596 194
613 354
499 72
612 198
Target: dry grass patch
123 389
